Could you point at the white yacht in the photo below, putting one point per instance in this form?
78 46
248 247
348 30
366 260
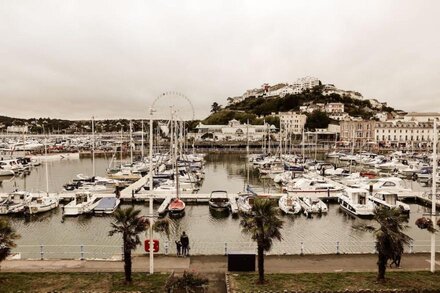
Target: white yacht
355 201
390 200
82 203
391 184
313 187
13 203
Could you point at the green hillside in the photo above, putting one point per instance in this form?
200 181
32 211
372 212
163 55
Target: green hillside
254 107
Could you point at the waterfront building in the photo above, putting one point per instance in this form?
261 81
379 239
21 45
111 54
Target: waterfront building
404 133
292 122
421 116
17 129
359 132
234 131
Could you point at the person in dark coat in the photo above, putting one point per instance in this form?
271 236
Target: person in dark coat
179 247
185 244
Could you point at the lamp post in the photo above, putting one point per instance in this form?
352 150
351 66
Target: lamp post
434 194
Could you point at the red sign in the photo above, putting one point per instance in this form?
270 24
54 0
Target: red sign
155 245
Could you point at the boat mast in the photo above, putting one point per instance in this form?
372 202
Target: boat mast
142 141
434 193
121 146
247 153
131 142
45 163
302 146
93 147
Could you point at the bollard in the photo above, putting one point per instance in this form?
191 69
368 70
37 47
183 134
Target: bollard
226 248
302 248
166 247
82 252
337 247
41 252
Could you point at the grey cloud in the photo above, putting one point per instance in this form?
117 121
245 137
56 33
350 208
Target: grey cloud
75 59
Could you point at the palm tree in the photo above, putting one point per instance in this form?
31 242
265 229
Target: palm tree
264 225
130 224
7 237
390 238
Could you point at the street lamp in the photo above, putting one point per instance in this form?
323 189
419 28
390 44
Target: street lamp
151 192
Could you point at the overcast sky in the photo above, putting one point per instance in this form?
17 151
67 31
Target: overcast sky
75 59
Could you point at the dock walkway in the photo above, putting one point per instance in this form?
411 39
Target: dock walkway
218 263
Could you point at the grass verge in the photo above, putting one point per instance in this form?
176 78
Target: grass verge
77 282
335 282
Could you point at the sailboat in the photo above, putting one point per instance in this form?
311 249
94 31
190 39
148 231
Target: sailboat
176 206
42 202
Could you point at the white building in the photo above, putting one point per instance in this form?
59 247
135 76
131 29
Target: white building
334 108
307 82
329 89
234 131
17 129
340 116
421 116
404 133
292 122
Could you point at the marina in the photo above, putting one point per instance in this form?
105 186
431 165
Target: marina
63 237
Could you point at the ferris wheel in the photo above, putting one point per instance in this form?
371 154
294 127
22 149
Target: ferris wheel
173 101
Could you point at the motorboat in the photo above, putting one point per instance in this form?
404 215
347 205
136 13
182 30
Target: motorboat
391 184
389 200
82 203
245 202
313 187
107 205
355 201
219 200
289 204
14 203
312 206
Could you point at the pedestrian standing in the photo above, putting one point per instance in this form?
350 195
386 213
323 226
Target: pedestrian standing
179 247
184 239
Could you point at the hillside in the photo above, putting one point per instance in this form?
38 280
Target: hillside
254 108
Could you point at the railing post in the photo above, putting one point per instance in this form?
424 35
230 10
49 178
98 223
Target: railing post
337 247
41 251
226 248
82 251
166 247
302 248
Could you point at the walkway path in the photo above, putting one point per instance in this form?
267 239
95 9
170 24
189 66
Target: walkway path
218 264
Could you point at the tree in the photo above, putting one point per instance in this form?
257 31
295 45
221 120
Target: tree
390 238
215 107
7 237
130 224
264 225
317 119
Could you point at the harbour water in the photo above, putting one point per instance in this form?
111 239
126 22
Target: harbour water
54 237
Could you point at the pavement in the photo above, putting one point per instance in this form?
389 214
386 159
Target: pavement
218 264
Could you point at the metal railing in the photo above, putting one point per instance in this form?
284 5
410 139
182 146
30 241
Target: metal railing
115 252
